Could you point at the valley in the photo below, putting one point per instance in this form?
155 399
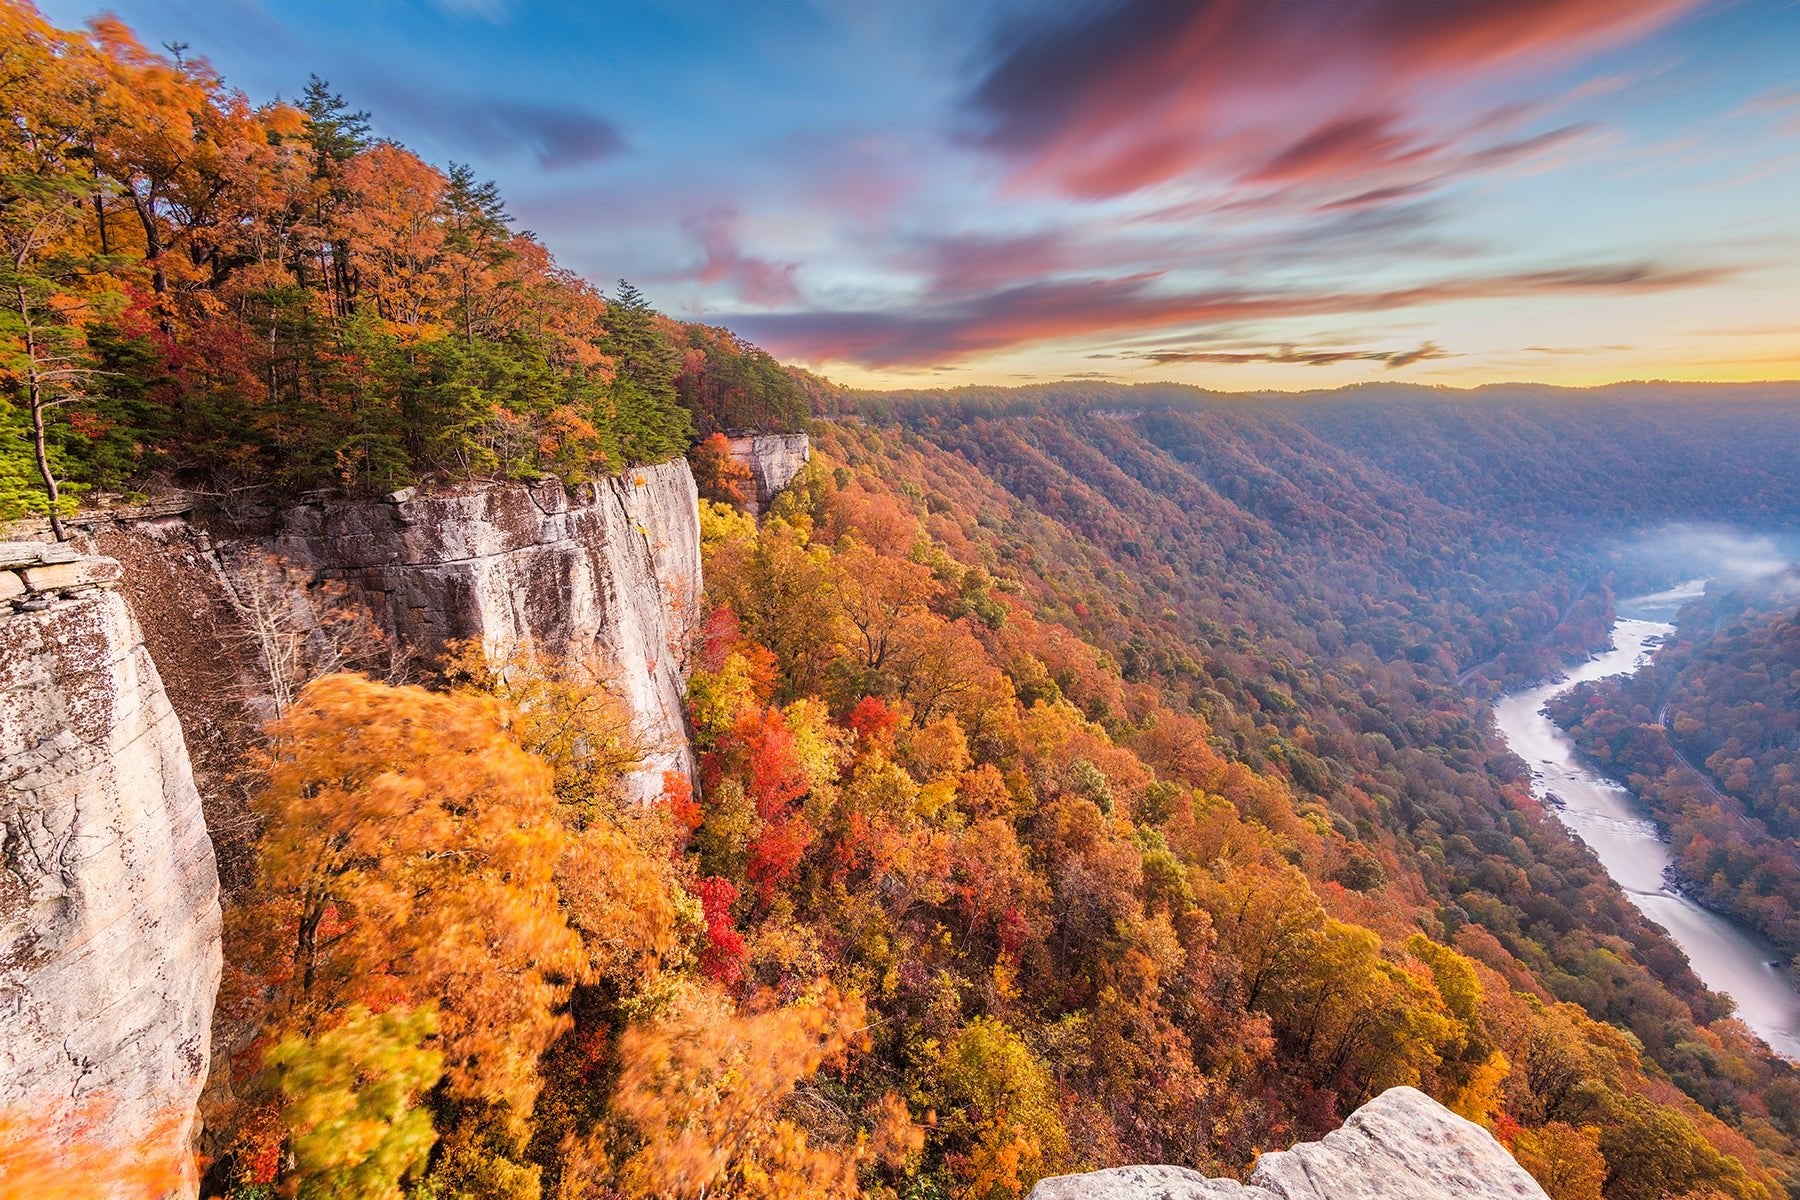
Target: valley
1727 957
469 734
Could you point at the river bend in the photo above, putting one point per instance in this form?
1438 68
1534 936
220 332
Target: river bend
1726 956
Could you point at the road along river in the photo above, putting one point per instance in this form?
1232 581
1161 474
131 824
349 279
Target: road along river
1607 817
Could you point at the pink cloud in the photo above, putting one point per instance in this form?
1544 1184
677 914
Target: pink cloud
1146 92
756 280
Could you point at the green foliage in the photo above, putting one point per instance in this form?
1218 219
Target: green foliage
350 1099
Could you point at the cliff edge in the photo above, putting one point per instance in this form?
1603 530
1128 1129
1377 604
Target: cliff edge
773 460
109 897
609 568
1402 1145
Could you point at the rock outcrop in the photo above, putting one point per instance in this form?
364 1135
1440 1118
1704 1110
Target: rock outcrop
610 568
109 898
1402 1145
774 459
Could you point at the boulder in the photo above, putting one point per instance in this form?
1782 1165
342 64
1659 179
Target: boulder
1402 1145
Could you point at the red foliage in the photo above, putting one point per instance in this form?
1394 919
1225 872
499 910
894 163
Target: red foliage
722 958
718 637
678 794
874 723
775 778
775 852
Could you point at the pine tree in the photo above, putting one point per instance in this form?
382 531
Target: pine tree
647 413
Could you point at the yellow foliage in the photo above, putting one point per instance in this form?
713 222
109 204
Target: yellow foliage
1002 1094
1481 1097
1564 1159
350 1103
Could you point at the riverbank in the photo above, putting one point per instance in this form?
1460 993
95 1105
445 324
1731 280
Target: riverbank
1727 957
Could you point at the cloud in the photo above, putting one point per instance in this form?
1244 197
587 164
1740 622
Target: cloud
960 328
557 135
756 280
1392 359
1138 93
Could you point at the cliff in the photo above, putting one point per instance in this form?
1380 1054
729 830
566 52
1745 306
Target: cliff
610 569
109 898
774 459
1402 1145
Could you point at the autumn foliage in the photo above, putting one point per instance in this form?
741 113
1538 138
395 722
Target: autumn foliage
1075 787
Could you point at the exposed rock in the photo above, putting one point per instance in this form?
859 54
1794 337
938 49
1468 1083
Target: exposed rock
1143 1183
109 899
774 459
612 567
1402 1145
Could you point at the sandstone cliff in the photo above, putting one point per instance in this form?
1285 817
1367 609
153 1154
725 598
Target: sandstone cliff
611 568
774 459
1402 1145
109 899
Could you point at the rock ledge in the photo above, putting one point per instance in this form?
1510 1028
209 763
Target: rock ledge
1402 1145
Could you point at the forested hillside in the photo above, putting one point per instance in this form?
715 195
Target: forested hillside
1707 737
1088 775
256 299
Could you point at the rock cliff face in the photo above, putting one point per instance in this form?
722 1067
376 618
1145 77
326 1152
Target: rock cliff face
109 899
612 568
1402 1145
774 459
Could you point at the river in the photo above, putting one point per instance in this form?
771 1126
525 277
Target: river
1728 957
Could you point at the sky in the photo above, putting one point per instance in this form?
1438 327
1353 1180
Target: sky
1239 194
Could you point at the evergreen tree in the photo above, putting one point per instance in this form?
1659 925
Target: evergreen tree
336 132
647 413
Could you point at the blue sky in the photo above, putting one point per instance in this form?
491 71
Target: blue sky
1236 193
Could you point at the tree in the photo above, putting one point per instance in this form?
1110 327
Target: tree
54 288
477 238
1565 1160
650 420
45 344
350 1097
337 132
719 476
703 1086
1005 1110
410 852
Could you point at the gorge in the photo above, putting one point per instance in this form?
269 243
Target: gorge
469 732
1728 957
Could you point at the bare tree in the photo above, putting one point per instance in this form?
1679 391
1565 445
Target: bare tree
299 628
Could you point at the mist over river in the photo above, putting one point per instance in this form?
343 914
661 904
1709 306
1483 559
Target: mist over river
1608 818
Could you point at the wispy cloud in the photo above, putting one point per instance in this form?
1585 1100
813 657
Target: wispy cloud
1391 359
756 281
1033 312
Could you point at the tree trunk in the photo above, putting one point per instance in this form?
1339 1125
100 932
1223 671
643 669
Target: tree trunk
38 401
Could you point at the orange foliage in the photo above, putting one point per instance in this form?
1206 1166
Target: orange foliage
411 852
48 1152
703 1086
